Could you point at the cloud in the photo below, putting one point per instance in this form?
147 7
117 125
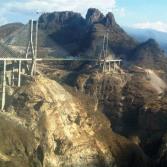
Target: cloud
59 5
17 9
159 26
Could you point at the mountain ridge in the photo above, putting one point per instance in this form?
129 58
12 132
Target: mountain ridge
7 29
88 35
144 34
84 117
73 35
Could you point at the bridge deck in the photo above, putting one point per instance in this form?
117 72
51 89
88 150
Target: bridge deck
56 59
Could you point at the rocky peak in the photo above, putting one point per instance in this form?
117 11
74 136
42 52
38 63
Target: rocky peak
65 17
151 46
93 16
150 55
152 43
109 19
78 35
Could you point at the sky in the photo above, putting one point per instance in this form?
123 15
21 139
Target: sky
150 14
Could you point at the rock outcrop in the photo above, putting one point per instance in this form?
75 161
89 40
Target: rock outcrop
107 90
94 16
134 102
110 20
64 29
78 35
49 127
70 34
51 21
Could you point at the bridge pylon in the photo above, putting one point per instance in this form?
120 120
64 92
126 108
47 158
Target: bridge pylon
106 60
31 50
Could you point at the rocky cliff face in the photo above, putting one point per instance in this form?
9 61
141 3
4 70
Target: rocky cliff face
134 102
84 36
65 29
51 20
69 34
94 16
47 126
